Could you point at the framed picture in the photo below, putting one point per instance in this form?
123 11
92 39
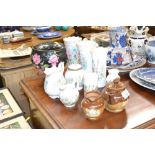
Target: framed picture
16 123
8 106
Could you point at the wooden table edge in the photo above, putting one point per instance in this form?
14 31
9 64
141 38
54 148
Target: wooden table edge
40 108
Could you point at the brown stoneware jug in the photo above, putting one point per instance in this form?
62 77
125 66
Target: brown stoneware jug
93 105
115 96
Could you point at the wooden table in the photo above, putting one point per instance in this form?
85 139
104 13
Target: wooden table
49 113
35 40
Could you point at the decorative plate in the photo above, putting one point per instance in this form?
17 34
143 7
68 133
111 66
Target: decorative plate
127 68
37 33
141 82
146 74
49 35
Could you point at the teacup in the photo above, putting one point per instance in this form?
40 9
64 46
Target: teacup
150 51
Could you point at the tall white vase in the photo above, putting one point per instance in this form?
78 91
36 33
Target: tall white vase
86 47
99 64
72 51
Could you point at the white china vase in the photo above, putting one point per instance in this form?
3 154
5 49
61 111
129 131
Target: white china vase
99 65
86 48
72 51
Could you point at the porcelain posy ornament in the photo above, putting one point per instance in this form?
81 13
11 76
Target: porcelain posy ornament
54 80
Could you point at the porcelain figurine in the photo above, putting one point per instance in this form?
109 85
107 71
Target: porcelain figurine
75 73
86 48
54 79
72 51
69 95
137 39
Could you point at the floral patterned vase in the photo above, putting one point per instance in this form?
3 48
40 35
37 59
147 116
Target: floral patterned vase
72 51
86 48
117 37
99 64
47 54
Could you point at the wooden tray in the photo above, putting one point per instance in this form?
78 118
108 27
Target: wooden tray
11 63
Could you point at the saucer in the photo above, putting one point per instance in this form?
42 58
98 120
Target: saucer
38 33
49 35
127 68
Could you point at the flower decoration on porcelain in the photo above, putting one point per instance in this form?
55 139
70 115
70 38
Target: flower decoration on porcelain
118 59
36 59
53 60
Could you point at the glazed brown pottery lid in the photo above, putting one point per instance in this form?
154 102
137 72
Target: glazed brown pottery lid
115 86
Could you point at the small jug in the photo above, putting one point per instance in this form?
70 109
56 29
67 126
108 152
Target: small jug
93 105
115 96
69 95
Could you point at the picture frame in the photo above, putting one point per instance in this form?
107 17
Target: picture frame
16 123
8 106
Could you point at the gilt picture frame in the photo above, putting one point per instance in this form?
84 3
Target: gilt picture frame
8 105
16 123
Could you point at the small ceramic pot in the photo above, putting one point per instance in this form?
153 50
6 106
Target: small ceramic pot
75 74
45 54
69 95
137 44
93 105
150 51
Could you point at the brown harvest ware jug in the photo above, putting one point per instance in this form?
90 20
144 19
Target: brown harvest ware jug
93 105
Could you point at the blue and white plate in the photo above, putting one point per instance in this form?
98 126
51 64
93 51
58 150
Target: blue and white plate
146 74
140 82
49 35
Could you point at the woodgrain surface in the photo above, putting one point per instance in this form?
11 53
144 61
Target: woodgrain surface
139 112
